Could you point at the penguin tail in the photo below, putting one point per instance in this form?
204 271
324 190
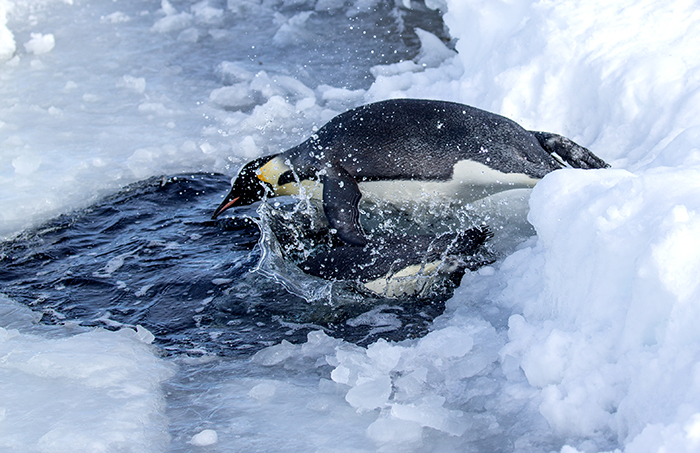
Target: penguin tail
570 152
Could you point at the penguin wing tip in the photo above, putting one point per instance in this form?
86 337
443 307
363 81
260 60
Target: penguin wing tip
356 240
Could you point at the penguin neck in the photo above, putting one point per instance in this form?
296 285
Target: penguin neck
272 170
278 174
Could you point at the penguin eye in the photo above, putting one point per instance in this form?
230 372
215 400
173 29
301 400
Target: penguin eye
286 178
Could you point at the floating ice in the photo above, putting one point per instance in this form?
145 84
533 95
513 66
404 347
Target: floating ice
40 44
433 52
291 29
116 17
137 84
173 21
7 39
206 14
77 391
204 438
26 164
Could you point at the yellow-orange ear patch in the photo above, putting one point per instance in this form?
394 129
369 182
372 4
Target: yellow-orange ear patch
271 171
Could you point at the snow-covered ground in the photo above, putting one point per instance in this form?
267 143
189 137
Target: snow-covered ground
585 338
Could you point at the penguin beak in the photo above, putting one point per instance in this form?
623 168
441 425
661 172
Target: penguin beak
227 203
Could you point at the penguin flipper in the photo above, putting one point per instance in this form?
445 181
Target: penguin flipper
341 197
573 154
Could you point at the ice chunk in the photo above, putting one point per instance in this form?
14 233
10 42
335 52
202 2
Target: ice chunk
291 29
167 8
7 39
432 50
172 20
329 5
231 72
238 96
393 431
40 44
263 391
370 394
137 84
449 342
116 17
276 354
26 164
144 335
206 14
190 34
97 390
432 414
204 438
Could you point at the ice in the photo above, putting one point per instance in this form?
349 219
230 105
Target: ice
583 338
89 391
235 97
115 18
137 84
40 44
370 394
7 38
205 438
291 29
392 431
433 52
173 21
26 164
231 72
206 14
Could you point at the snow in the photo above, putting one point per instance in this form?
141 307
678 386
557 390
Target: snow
205 438
40 44
7 38
583 339
69 391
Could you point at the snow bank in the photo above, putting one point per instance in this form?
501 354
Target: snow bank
608 331
90 391
606 306
7 39
619 76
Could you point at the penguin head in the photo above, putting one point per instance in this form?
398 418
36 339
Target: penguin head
269 176
252 184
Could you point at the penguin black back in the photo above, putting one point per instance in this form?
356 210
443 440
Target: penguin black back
411 139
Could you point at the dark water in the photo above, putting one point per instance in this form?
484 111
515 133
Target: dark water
150 256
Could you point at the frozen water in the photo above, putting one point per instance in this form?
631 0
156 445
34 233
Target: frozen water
205 438
583 338
7 39
79 390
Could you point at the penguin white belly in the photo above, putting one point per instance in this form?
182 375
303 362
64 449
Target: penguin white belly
410 281
471 181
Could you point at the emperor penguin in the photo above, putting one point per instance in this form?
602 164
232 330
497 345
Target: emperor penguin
409 147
